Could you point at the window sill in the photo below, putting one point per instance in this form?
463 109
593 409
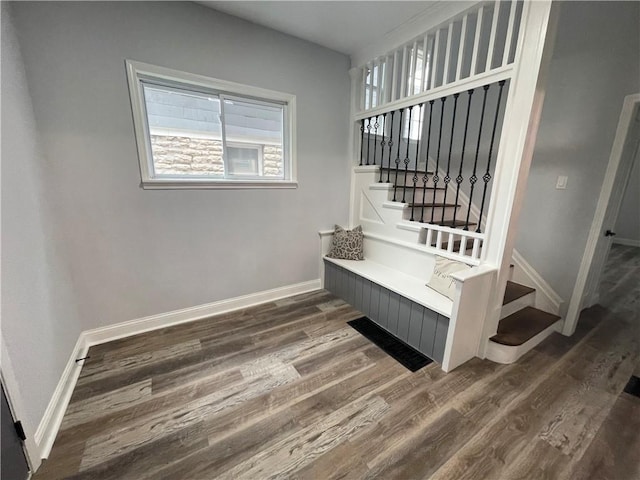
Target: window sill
215 184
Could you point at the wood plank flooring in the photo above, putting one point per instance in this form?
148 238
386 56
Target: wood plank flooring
288 390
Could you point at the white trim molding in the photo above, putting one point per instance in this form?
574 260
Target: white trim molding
48 428
139 73
546 297
52 419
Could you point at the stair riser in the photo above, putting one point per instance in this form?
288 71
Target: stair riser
437 215
415 196
506 354
528 300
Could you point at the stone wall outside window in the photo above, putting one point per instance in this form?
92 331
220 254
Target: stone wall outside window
178 155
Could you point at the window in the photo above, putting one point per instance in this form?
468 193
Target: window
199 132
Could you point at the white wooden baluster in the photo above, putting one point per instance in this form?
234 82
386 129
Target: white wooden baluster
447 55
492 37
414 70
429 237
394 83
379 96
371 69
439 240
388 71
403 78
363 103
434 64
463 37
476 43
463 245
475 252
508 38
450 242
425 71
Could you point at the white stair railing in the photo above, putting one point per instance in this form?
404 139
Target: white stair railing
471 46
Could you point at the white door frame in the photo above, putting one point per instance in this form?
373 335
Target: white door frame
11 389
617 172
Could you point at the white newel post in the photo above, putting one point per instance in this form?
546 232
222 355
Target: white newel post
521 120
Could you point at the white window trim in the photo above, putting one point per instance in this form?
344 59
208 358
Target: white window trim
138 71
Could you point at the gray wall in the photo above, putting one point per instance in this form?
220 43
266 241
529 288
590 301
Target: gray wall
132 252
594 66
40 323
628 222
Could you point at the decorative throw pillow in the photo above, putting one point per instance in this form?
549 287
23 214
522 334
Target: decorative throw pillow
347 244
441 280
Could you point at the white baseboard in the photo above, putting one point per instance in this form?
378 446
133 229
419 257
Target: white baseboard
48 428
629 242
153 322
546 297
50 423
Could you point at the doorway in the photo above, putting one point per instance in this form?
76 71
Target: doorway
13 462
624 153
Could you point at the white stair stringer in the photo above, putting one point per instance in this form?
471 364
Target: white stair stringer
546 297
371 207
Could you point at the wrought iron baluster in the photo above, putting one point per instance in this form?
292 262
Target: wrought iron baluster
375 139
390 147
447 178
436 179
368 138
425 178
473 179
382 145
459 178
487 176
415 169
406 156
395 182
361 141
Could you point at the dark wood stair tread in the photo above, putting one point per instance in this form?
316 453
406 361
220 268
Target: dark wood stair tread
455 223
409 171
433 205
420 187
515 291
523 325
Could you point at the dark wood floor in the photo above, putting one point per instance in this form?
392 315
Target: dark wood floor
288 390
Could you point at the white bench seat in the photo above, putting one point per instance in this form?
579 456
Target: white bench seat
410 287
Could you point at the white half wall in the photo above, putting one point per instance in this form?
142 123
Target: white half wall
40 322
594 66
136 253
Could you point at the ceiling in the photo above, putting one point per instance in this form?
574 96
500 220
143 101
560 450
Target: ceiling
344 26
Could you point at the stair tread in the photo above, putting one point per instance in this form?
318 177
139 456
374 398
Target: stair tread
523 325
515 291
455 223
420 205
420 187
401 170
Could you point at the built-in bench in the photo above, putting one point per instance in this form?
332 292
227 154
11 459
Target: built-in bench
399 303
389 287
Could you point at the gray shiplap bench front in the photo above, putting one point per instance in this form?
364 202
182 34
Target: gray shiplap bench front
419 326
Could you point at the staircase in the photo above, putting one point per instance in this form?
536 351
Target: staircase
521 327
416 205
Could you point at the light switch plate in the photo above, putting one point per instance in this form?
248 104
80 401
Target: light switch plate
561 183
